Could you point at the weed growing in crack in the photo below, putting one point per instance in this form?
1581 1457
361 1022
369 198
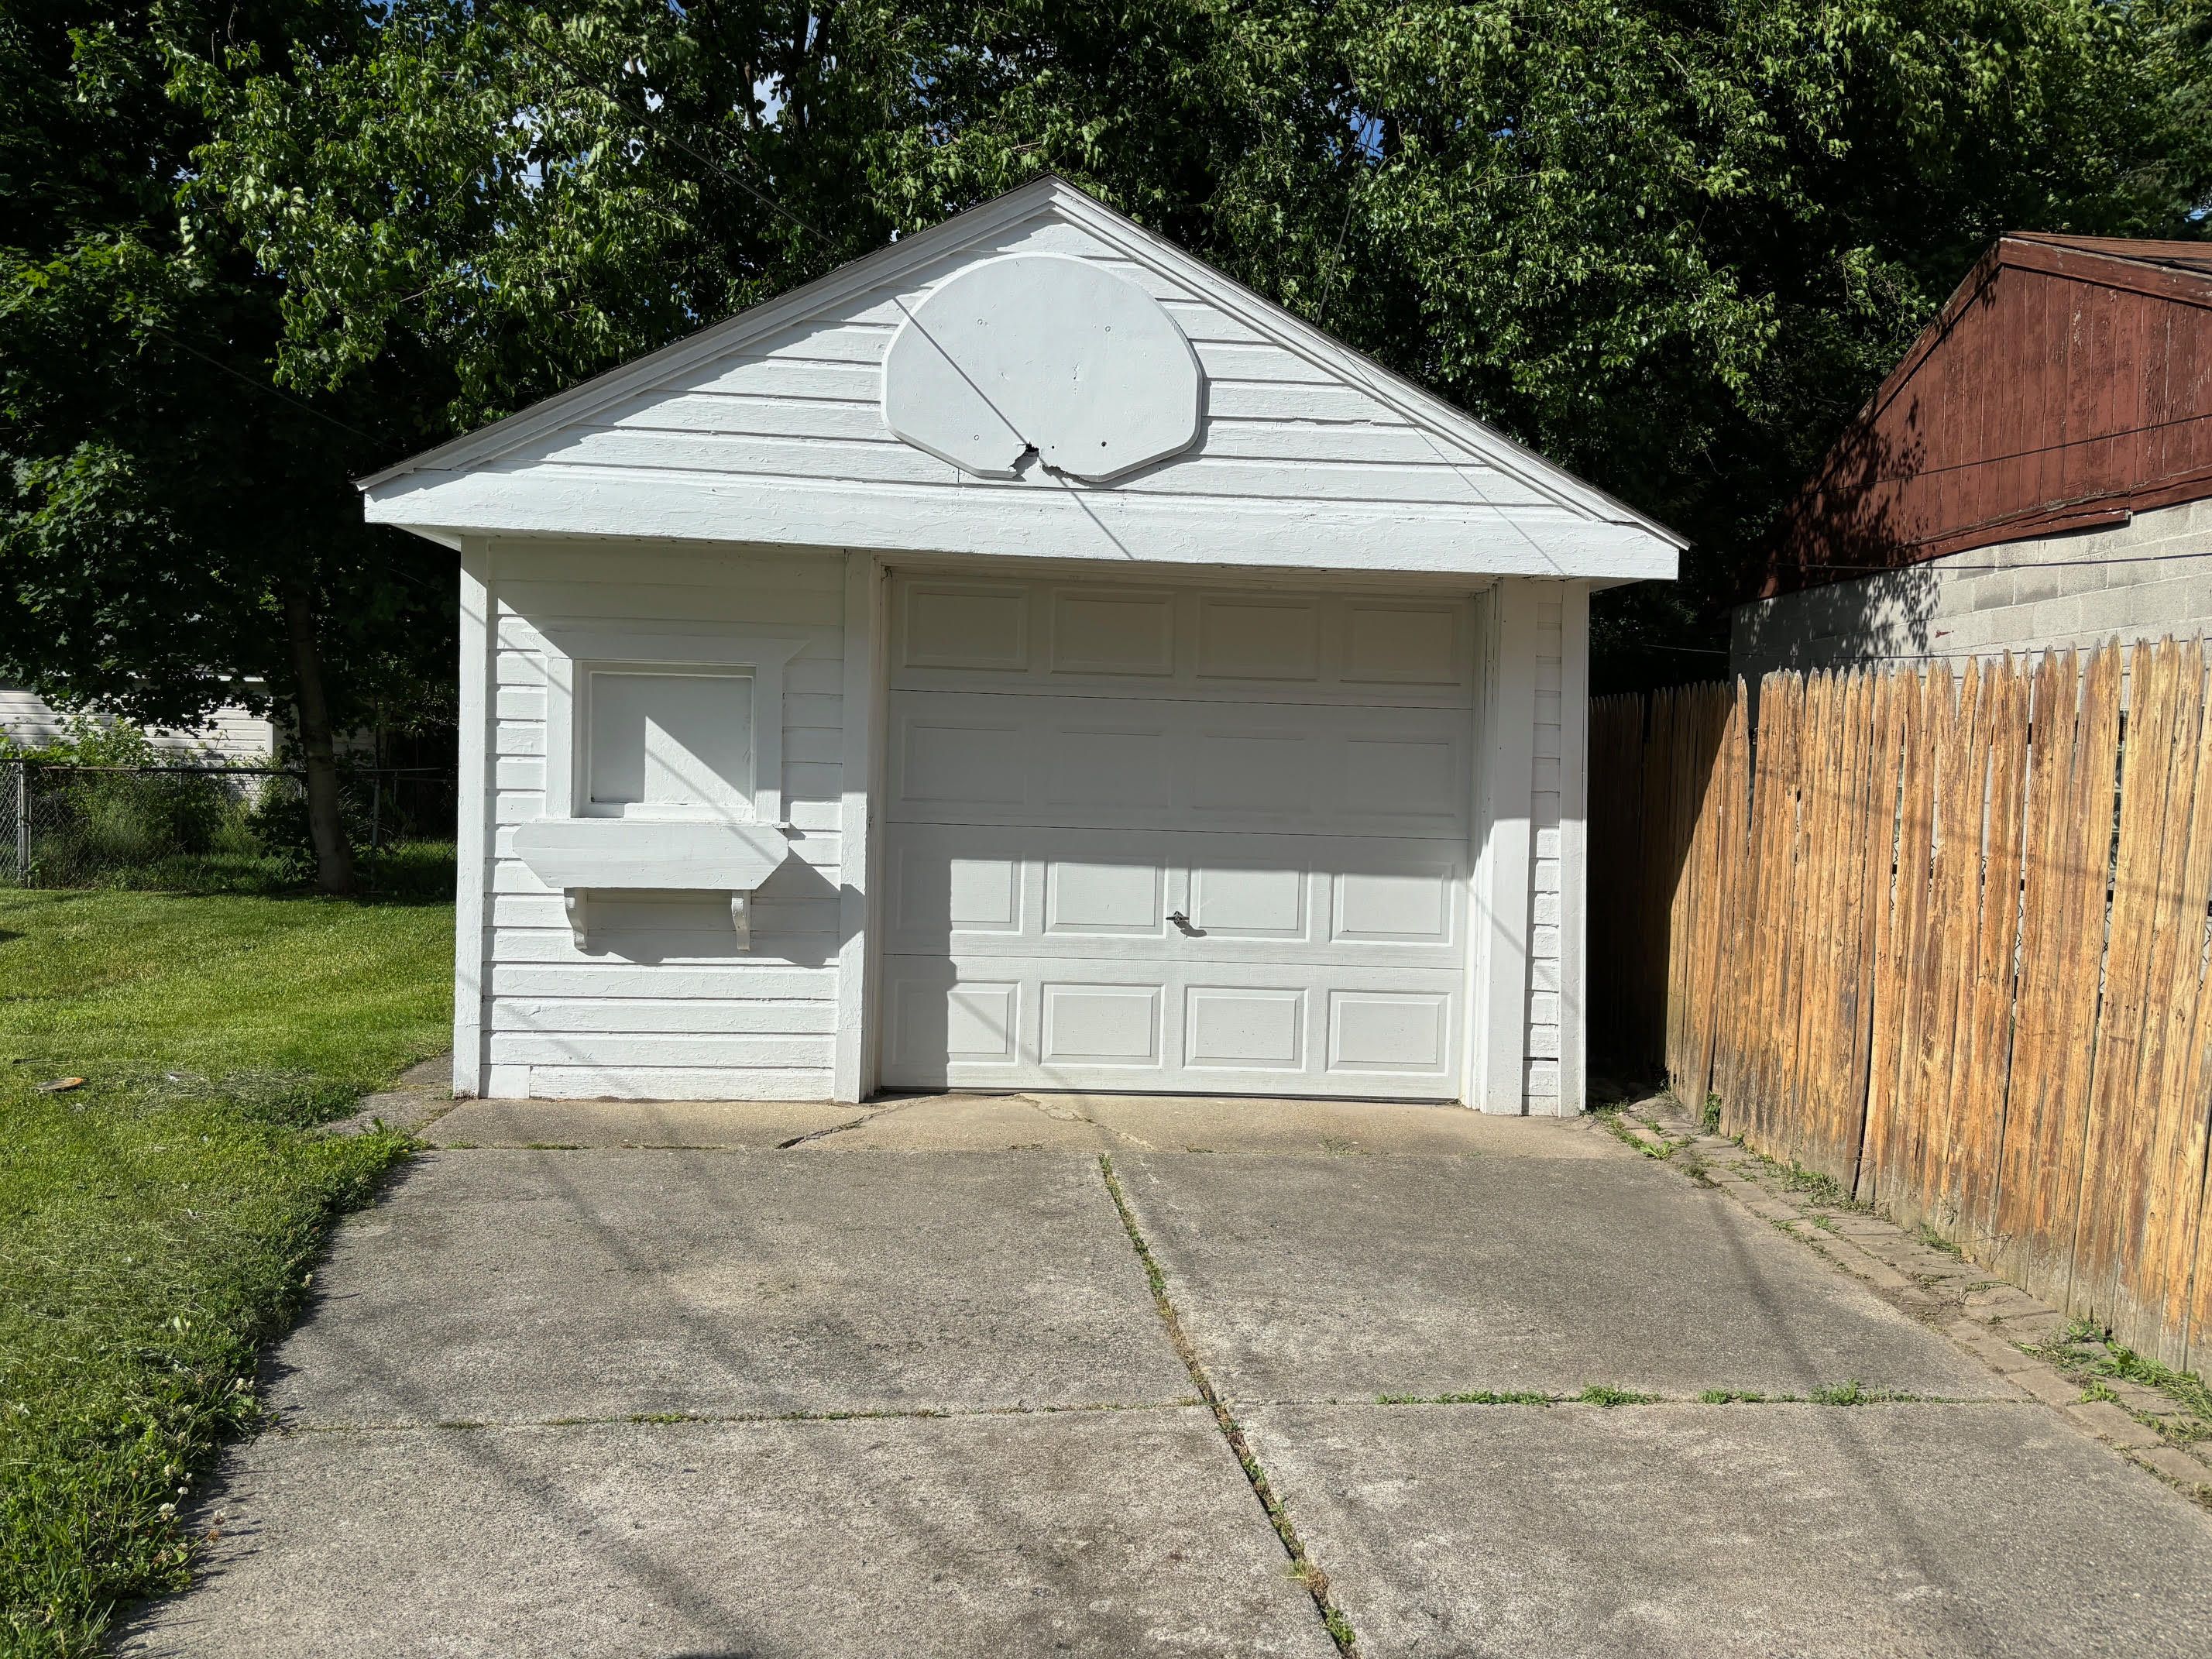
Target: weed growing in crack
1617 1122
1730 1397
2087 1351
1709 1120
1821 1189
1600 1393
1936 1240
1479 1397
1856 1393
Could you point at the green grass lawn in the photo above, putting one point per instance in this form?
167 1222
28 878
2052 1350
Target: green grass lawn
161 1222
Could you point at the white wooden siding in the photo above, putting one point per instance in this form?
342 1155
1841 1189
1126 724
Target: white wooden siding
778 437
806 406
1545 886
1525 972
665 1004
229 733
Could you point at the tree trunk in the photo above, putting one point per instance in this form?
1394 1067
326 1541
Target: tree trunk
326 823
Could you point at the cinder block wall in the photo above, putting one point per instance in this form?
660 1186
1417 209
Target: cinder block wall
2149 577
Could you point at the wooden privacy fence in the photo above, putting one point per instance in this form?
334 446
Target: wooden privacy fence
1943 937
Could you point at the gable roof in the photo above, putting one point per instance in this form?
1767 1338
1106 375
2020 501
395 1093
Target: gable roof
754 430
2066 385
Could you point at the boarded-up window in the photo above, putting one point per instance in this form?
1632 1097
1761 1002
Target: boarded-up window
671 743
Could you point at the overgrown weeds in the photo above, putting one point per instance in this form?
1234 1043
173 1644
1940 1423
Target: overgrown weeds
2088 1351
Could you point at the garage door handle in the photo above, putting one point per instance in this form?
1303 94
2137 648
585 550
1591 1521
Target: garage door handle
1180 920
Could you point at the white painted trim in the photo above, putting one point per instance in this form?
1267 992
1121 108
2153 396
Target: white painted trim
1441 420
763 652
1574 847
859 1016
1047 517
1497 1004
472 828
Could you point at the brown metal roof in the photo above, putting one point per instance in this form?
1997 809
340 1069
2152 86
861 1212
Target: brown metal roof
2067 384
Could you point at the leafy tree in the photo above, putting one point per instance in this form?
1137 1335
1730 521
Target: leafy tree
1671 243
177 531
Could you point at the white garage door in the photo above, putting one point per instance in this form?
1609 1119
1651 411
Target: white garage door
1174 839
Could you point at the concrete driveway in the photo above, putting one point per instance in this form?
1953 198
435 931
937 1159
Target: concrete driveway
1076 1375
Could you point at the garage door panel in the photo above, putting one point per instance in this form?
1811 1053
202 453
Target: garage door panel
1258 637
1390 1031
1244 903
956 634
1251 774
962 757
968 891
1397 642
972 1022
1128 768
964 625
1403 907
1111 630
1264 1027
935 893
1236 1027
1082 897
1419 778
1089 1023
962 760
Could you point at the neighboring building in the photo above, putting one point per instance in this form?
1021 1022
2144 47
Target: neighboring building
2036 473
230 734
1023 659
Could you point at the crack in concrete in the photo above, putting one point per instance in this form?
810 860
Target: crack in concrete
1307 1569
823 1134
671 1420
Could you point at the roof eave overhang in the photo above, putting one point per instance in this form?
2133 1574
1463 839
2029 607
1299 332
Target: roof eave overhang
1049 521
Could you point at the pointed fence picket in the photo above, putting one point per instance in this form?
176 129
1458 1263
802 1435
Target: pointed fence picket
1943 938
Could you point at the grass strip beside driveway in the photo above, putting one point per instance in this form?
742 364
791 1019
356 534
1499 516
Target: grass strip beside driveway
160 1222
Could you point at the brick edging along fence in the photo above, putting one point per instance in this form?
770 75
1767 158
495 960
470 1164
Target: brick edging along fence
1943 937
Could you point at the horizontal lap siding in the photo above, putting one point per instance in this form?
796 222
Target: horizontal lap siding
668 1006
1546 894
804 406
229 733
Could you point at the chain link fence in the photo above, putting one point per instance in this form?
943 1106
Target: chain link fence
214 829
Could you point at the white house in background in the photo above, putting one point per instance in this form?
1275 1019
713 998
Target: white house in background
1024 659
230 734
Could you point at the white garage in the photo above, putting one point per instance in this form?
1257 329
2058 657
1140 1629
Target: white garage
1021 660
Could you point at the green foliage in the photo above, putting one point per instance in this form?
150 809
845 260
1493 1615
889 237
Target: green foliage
110 809
83 741
253 249
1671 244
158 492
1479 1397
2088 1350
1855 1393
1600 1393
159 1224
